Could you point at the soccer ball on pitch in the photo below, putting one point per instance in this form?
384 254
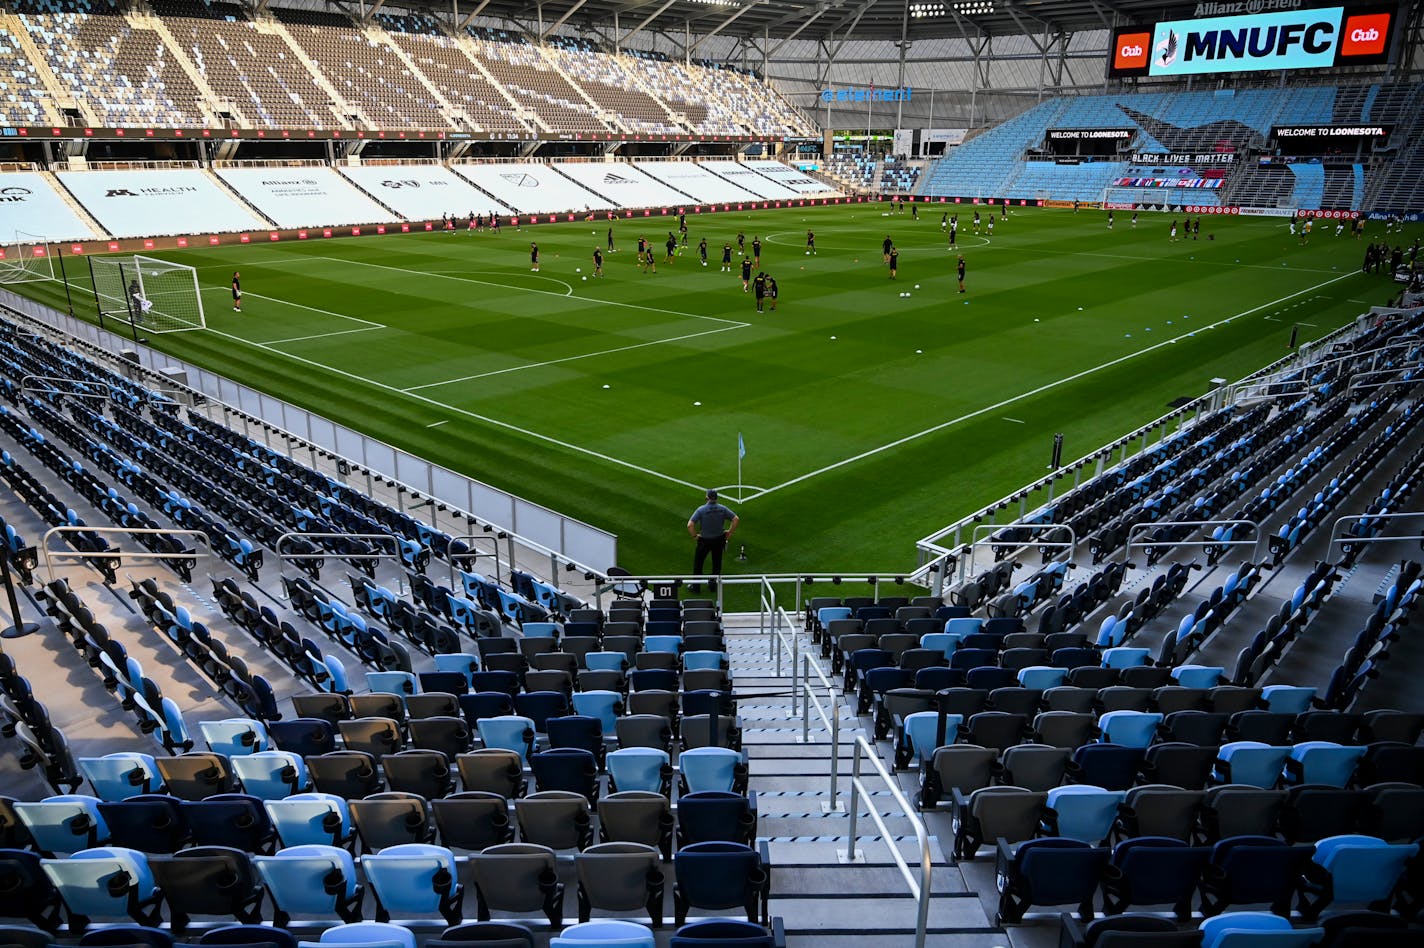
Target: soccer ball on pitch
583 278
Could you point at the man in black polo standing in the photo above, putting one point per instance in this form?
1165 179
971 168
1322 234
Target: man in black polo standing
712 525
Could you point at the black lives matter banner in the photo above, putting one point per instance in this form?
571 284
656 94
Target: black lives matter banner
1278 40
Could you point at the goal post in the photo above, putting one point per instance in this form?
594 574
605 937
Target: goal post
26 260
157 294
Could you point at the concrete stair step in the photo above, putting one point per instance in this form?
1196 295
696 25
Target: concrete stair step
882 881
843 913
827 850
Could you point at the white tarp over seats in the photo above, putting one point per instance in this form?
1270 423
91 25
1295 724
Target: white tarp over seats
690 177
304 197
30 205
423 192
744 177
530 188
621 182
156 203
789 177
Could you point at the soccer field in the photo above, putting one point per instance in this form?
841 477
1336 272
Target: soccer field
869 419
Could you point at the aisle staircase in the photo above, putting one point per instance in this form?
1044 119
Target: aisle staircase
823 899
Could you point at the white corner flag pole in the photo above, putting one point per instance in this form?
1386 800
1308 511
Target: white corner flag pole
741 453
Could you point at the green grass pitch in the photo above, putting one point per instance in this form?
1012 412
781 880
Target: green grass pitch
869 419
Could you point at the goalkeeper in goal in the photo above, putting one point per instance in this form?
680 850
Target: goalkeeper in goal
142 305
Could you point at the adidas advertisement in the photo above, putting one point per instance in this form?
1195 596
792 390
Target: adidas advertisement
1291 39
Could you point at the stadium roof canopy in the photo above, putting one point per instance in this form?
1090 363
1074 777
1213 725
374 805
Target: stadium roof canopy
817 19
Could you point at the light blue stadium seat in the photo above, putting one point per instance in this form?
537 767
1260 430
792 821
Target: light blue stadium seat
459 662
234 736
638 768
921 728
508 732
122 775
605 933
1042 677
605 661
271 775
1256 930
310 819
311 880
662 643
945 642
1362 868
90 885
1081 812
1287 699
709 768
704 660
603 705
1129 728
64 824
1323 762
393 682
414 879
1198 676
1125 657
1251 763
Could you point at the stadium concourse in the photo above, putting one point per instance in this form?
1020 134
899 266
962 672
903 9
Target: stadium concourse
257 689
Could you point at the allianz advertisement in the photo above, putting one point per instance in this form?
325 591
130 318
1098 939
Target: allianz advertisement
1287 40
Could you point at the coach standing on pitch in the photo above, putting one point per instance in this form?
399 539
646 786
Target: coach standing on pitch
712 525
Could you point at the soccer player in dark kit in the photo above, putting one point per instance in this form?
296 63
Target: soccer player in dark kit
810 242
236 293
894 261
756 251
534 257
702 250
759 290
885 247
746 273
597 262
727 258
961 273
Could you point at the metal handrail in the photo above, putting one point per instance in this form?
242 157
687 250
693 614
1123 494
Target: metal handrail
1071 544
1336 538
115 554
474 554
386 537
832 721
26 386
777 641
919 890
1133 530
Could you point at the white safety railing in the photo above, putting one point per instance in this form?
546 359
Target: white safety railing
1145 527
830 716
114 554
1337 538
919 888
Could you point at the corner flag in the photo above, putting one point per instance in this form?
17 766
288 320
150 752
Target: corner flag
741 447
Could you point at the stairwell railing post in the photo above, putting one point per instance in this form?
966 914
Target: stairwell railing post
850 855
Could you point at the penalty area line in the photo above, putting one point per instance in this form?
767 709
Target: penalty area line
325 312
547 439
574 358
1048 386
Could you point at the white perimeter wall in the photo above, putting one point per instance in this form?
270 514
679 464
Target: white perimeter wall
791 178
304 197
704 186
744 177
623 183
423 192
29 203
530 188
156 203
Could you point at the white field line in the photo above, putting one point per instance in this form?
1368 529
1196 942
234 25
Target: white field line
461 411
573 358
437 424
1123 256
1037 391
313 309
322 335
507 286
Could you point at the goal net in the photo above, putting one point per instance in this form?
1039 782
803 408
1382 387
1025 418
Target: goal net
26 260
156 294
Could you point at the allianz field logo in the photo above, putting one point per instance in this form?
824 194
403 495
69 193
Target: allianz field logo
871 94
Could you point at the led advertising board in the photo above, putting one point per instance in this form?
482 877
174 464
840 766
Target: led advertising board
1286 40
